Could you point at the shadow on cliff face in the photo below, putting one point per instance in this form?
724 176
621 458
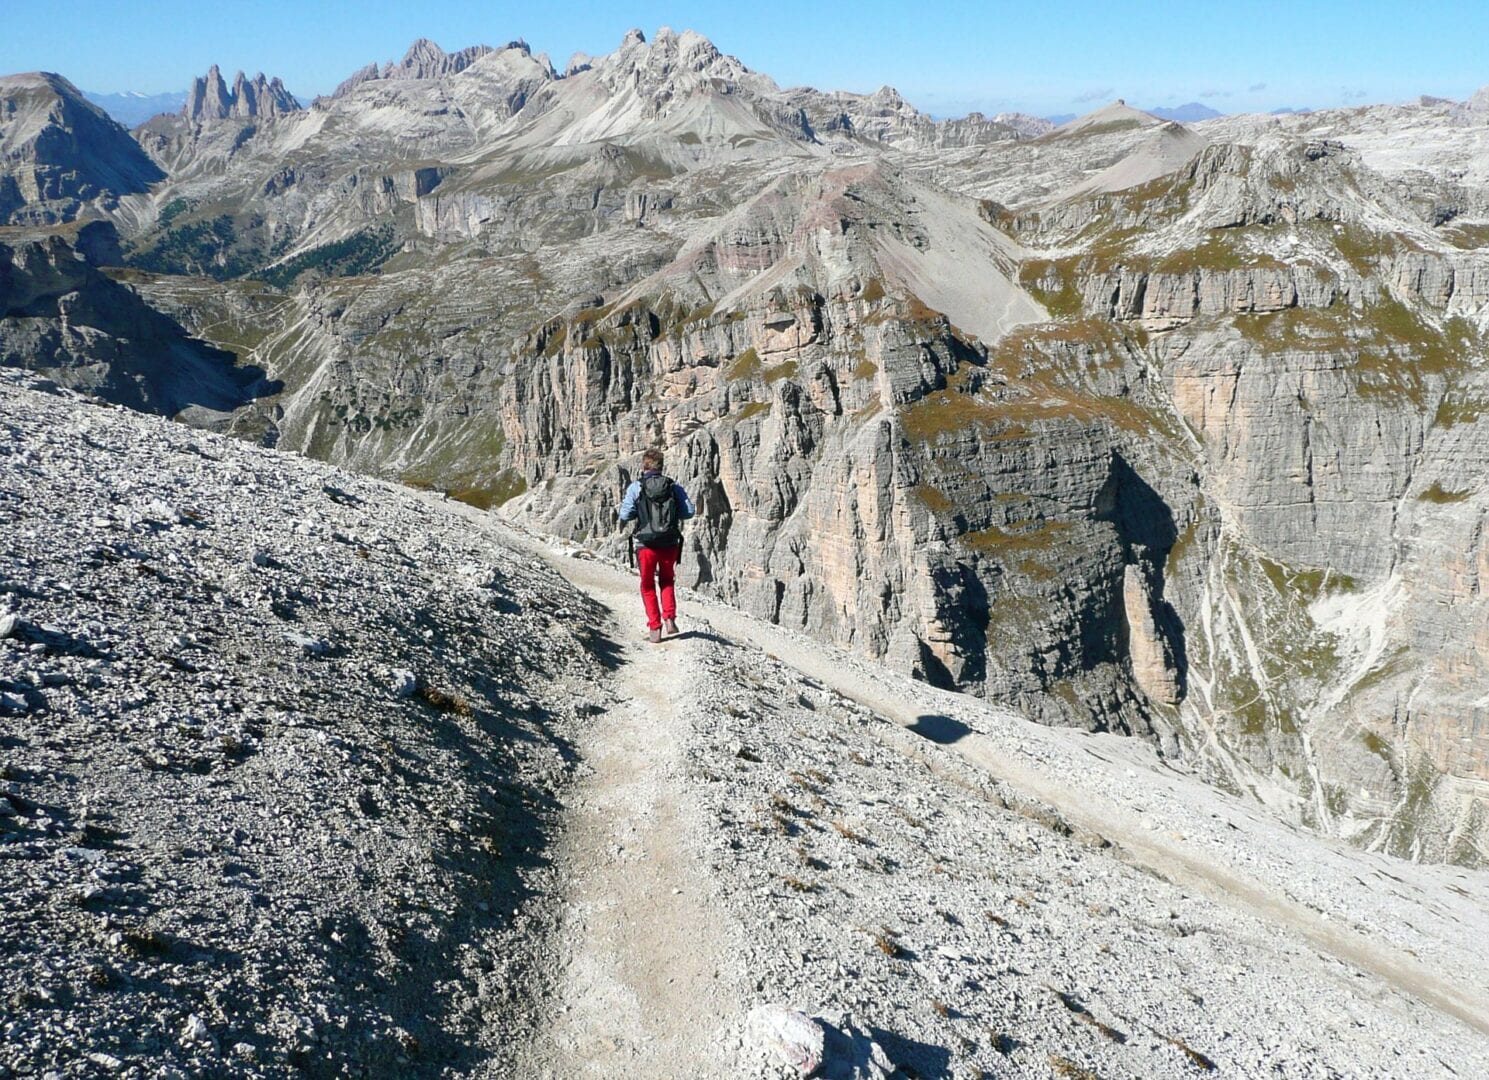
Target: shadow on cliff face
1145 525
62 318
1144 521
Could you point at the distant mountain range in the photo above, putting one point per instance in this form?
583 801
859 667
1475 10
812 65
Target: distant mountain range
1188 113
1184 114
134 108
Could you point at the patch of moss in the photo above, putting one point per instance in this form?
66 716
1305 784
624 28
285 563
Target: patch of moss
1438 494
1181 547
1392 346
1222 250
873 291
1376 745
745 366
1063 301
1470 237
752 408
1306 584
778 372
945 412
865 369
1361 247
1386 669
934 499
1456 408
1007 543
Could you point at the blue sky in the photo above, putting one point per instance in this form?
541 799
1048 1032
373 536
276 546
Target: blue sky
948 58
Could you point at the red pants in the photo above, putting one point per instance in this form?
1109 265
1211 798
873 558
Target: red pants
657 565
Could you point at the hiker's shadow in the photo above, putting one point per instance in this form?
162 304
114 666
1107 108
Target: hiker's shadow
853 1053
702 635
940 729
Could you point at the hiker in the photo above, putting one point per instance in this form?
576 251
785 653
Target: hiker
659 506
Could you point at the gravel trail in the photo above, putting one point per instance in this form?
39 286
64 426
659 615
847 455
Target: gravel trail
643 987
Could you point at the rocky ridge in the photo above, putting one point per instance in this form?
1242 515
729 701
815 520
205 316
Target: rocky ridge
423 60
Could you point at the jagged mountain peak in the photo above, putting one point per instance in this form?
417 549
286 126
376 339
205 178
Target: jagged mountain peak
424 59
668 53
210 98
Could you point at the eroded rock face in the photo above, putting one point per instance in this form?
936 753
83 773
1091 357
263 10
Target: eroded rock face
423 60
1152 656
842 489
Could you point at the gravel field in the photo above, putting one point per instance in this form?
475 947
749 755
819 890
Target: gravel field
280 749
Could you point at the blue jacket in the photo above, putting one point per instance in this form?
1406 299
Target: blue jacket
628 504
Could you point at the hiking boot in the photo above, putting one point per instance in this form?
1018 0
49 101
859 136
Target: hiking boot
669 627
655 637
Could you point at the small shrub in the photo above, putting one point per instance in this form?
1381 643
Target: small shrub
847 833
795 884
445 702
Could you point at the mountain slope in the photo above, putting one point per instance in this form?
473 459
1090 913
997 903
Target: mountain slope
60 154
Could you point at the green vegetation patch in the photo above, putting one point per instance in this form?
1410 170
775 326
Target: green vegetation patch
1221 251
778 372
934 498
1438 494
171 211
995 540
1470 237
1053 283
1307 584
1376 745
745 366
211 247
360 253
1456 408
1393 347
